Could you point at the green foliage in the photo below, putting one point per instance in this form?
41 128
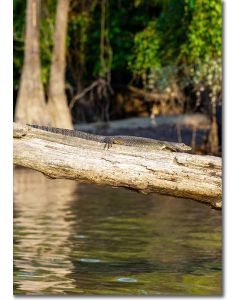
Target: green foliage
146 58
156 48
18 39
172 28
77 39
182 43
202 49
163 78
204 39
158 42
205 75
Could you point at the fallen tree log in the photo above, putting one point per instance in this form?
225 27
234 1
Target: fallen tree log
177 174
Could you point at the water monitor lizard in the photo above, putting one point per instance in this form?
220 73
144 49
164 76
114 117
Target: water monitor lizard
119 139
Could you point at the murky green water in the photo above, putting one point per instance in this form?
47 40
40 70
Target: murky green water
71 238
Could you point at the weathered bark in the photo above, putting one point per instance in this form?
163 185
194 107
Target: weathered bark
57 103
31 107
178 174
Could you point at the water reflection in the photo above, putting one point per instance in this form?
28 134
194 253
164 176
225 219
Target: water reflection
83 239
41 233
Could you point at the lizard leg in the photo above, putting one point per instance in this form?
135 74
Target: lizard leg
108 142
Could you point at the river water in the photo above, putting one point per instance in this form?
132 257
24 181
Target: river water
72 238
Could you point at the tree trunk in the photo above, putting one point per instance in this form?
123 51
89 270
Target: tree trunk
31 107
146 170
59 110
213 136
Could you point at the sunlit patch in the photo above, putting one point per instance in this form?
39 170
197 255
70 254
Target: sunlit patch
80 236
126 279
90 260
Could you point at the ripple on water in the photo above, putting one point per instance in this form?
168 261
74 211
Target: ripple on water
126 279
90 260
80 237
92 240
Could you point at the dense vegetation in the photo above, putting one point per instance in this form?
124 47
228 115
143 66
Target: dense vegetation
169 47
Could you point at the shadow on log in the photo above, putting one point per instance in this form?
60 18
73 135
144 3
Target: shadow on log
172 173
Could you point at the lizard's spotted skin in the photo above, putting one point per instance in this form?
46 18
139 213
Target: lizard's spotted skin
124 140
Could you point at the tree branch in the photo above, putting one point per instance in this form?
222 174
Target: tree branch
177 174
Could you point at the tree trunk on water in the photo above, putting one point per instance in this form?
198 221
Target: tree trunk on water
31 107
145 170
59 110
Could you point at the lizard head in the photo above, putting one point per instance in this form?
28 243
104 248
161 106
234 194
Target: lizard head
185 147
118 140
